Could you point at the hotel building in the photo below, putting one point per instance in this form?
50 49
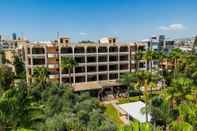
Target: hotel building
105 60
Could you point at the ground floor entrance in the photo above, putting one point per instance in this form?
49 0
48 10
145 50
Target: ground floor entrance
104 90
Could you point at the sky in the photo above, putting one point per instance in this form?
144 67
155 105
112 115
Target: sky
129 20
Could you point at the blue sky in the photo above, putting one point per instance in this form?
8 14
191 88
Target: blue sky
92 19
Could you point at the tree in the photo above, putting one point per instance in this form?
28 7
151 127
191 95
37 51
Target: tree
161 114
138 57
6 77
174 56
67 64
137 126
148 57
180 126
180 90
40 75
18 110
19 67
188 113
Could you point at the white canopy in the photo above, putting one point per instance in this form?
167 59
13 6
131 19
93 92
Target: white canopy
134 110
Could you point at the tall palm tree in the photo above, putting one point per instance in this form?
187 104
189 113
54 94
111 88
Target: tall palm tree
138 56
148 57
41 75
131 81
67 64
174 56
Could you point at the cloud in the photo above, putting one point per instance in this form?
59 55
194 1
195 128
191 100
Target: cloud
173 27
83 33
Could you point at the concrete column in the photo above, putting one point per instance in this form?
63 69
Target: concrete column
108 62
60 68
86 75
73 56
97 63
46 56
118 62
27 64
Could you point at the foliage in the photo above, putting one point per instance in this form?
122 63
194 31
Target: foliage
113 114
40 75
53 108
19 67
67 64
6 77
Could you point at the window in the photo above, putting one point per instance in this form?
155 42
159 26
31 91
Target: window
113 67
38 51
103 77
91 69
102 58
28 50
114 40
79 50
103 68
79 79
102 49
113 76
113 58
123 49
113 49
80 59
91 50
38 61
124 67
92 78
29 61
141 65
124 58
79 69
66 50
91 59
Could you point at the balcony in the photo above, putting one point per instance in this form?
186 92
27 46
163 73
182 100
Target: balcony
79 50
123 49
53 66
91 49
51 55
38 51
66 50
53 76
102 50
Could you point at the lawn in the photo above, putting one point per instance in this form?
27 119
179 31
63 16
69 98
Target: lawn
113 114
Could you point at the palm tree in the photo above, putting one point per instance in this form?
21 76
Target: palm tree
148 57
174 55
41 75
133 81
68 63
138 56
188 112
179 91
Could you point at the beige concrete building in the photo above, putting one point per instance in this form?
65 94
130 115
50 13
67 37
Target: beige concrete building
103 61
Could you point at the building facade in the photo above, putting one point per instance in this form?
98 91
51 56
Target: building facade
105 60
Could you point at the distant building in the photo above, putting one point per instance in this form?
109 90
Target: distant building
14 36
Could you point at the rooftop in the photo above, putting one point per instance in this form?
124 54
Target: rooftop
134 110
95 85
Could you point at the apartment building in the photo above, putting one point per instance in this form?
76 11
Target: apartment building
105 60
